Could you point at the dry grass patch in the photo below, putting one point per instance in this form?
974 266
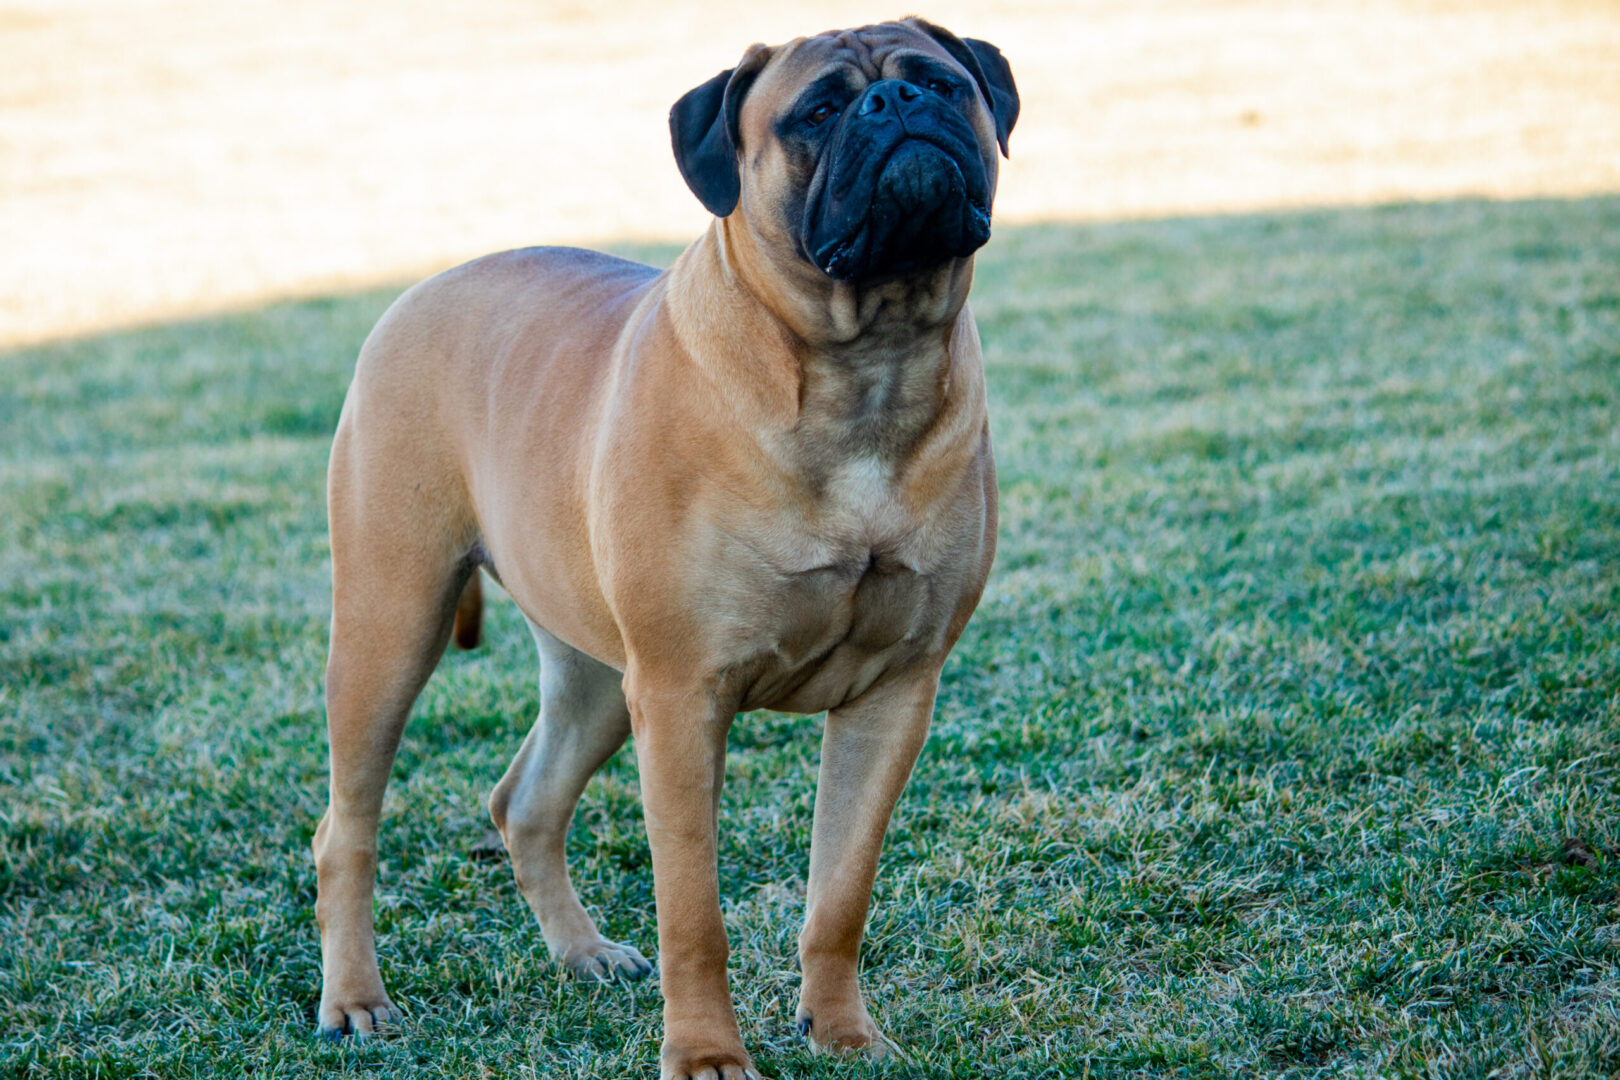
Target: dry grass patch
177 156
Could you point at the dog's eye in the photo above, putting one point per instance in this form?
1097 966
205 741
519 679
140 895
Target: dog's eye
942 87
820 113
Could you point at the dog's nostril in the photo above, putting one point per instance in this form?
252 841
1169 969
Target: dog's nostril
873 103
908 92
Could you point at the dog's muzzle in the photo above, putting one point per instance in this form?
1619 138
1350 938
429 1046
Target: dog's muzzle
905 187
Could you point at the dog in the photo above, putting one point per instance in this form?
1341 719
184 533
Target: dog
761 478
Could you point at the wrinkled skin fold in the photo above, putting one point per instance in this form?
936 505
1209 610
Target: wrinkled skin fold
900 187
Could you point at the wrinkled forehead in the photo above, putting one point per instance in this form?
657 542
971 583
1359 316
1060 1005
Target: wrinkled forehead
873 50
868 53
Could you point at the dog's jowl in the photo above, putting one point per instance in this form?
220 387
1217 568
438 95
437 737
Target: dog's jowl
759 479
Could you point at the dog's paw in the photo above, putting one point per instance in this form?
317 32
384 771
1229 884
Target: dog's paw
852 1035
362 1019
676 1063
603 961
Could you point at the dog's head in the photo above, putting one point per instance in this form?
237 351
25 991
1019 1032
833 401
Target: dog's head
871 151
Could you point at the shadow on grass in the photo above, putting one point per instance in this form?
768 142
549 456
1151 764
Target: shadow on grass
1282 742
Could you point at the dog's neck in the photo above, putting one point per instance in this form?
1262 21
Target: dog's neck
860 368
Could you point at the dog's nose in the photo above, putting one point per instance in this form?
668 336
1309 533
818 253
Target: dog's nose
886 94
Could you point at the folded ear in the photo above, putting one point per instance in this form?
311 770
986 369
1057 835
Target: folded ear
703 129
988 68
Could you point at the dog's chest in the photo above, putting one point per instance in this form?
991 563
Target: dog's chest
843 592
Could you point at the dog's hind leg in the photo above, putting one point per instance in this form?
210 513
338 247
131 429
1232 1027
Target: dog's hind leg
583 720
398 565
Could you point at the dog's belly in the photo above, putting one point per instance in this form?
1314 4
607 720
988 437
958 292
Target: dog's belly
831 632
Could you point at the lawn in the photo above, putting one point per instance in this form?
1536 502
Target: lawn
1286 741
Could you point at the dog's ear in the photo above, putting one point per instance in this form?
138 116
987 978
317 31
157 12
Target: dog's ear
703 128
988 68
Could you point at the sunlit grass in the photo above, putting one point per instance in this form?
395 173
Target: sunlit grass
1284 741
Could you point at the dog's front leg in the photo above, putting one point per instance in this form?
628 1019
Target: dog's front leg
680 749
867 755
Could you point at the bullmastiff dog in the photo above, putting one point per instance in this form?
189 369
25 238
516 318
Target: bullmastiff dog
759 479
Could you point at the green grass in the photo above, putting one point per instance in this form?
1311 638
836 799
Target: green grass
1286 741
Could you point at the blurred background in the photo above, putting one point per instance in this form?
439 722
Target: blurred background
167 158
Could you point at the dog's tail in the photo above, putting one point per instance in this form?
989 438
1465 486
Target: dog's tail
469 614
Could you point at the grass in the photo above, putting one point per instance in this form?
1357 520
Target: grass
1283 744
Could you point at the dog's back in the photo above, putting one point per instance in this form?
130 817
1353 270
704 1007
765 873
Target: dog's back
509 350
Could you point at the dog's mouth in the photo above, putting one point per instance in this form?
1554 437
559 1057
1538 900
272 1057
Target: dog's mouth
842 260
911 210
